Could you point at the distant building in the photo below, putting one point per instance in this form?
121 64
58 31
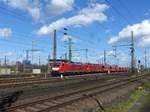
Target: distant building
19 67
26 62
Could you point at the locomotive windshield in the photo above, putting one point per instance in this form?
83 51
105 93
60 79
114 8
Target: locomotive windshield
56 63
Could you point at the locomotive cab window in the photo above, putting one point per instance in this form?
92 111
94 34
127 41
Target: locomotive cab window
56 65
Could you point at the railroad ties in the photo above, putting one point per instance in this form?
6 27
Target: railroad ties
54 103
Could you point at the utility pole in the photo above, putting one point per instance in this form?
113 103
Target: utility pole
54 46
65 56
5 61
27 55
32 51
39 60
70 50
0 62
69 45
104 57
131 45
145 59
86 55
132 52
115 54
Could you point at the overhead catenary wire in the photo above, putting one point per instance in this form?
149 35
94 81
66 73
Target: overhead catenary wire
71 34
126 8
87 31
118 12
87 41
15 43
11 13
101 25
18 43
29 37
21 19
20 38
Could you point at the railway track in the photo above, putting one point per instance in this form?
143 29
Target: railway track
52 103
31 81
8 80
15 80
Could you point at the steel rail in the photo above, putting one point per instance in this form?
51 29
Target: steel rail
19 83
102 87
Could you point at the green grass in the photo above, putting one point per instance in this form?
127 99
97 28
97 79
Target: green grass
124 106
145 101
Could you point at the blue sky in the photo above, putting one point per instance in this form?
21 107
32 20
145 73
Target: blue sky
92 24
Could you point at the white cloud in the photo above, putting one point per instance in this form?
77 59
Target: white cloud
55 7
141 34
77 57
110 53
92 1
93 13
35 13
5 32
123 58
145 41
112 18
41 10
6 54
66 38
32 7
107 30
147 13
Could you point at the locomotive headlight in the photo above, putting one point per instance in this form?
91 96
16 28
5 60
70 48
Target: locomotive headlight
55 68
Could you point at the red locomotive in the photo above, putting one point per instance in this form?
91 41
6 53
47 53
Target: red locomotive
64 67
